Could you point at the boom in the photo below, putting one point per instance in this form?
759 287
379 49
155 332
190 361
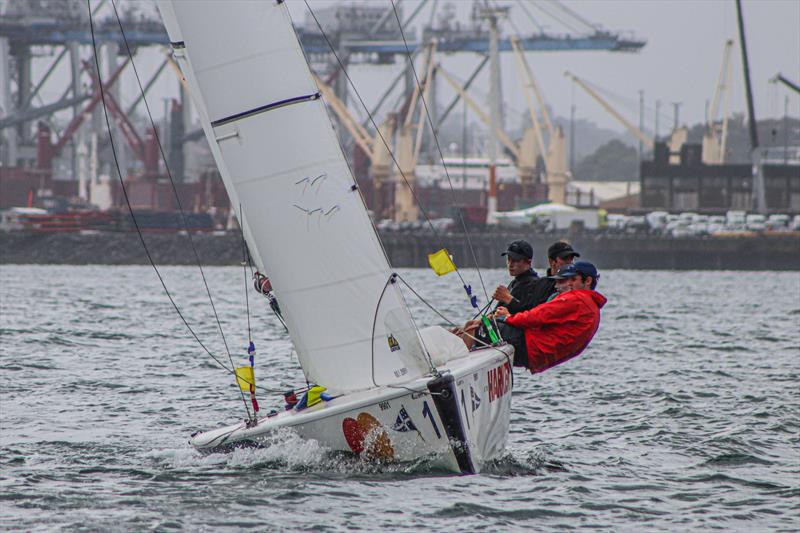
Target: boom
790 84
605 105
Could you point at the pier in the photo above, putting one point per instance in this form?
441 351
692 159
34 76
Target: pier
778 251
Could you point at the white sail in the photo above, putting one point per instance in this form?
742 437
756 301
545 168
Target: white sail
304 221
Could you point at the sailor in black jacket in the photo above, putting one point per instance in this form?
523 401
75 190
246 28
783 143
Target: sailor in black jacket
527 289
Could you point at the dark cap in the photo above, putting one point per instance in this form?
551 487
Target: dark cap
519 250
579 267
561 249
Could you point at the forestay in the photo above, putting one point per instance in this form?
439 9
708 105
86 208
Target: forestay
304 221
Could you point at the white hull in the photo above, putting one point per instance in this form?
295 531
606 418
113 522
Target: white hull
403 424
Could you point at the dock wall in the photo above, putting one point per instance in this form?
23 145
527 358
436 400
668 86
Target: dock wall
762 252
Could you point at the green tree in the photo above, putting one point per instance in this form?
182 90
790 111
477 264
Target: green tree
613 161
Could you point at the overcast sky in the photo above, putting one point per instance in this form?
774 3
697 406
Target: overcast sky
680 62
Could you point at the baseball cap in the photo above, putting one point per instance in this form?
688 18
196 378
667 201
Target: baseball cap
519 250
579 267
561 249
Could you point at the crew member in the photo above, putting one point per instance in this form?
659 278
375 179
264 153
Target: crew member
560 254
558 330
525 291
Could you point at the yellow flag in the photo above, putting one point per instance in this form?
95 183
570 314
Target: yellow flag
244 377
441 263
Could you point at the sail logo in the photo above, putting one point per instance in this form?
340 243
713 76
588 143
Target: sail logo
318 213
499 381
312 183
393 344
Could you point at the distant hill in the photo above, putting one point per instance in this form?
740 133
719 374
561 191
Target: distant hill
613 161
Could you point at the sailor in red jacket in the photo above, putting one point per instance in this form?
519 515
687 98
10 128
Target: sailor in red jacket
562 328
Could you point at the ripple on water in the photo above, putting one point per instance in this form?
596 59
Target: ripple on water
682 415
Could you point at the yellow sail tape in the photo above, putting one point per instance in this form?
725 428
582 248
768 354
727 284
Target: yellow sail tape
441 262
245 377
315 395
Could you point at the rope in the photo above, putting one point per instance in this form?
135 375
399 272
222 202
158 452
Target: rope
423 300
245 262
374 323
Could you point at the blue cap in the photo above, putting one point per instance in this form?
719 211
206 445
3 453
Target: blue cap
579 267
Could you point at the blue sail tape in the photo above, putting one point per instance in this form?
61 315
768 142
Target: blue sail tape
473 298
264 108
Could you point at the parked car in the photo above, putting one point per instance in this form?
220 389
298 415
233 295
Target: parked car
636 224
777 222
756 222
657 220
616 223
735 218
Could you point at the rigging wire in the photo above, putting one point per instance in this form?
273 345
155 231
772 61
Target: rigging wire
402 174
439 149
127 199
230 370
171 180
512 113
371 119
564 23
380 134
576 16
530 16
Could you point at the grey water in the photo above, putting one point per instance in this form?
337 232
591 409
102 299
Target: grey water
684 413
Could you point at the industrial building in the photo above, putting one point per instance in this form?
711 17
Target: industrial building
692 185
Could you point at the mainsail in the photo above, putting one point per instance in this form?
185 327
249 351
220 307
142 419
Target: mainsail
303 218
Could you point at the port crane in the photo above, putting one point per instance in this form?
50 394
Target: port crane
677 138
780 78
716 135
404 130
525 152
554 154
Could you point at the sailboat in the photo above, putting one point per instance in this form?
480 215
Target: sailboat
393 392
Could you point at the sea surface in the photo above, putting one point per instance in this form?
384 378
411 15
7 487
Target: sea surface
684 413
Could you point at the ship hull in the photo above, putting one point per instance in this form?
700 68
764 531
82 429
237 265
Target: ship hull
459 420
